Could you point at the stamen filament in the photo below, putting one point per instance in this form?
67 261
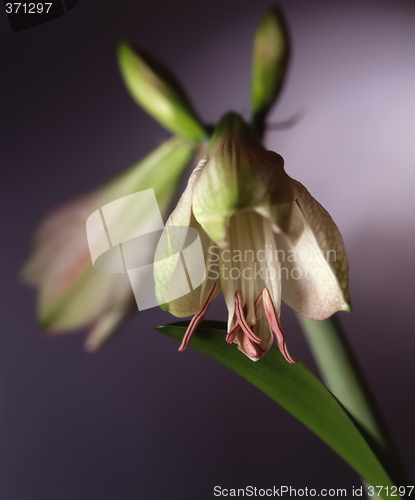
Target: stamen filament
198 318
257 306
241 319
233 332
275 326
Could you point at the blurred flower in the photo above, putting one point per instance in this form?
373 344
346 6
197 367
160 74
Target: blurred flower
252 216
72 294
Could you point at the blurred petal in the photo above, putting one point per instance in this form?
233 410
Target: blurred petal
102 330
72 294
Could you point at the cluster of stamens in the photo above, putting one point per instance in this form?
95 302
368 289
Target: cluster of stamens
248 332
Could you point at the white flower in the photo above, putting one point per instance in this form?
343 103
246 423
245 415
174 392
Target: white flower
265 239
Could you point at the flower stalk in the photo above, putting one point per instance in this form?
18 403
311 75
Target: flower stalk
341 373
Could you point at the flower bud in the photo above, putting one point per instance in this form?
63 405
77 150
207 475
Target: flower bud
154 87
270 59
241 174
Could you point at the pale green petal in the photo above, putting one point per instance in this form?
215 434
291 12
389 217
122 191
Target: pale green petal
64 229
167 278
315 272
240 174
103 329
160 170
182 214
251 252
157 90
59 232
83 300
165 270
229 289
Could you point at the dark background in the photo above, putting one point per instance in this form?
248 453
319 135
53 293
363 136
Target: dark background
138 419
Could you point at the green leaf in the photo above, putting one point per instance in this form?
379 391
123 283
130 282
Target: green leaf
298 391
156 89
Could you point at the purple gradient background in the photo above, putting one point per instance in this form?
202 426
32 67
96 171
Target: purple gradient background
139 420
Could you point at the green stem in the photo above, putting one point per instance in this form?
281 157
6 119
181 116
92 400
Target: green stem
258 123
342 375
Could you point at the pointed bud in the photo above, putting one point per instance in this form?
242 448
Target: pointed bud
154 87
270 60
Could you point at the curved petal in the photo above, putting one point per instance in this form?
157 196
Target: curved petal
102 330
249 268
72 294
90 295
64 228
315 268
166 271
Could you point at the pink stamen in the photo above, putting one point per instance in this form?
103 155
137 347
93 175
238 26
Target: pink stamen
242 321
254 351
198 318
275 326
258 311
233 332
251 343
250 348
257 306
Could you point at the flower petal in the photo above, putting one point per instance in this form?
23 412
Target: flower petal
240 174
102 330
315 271
166 271
81 303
